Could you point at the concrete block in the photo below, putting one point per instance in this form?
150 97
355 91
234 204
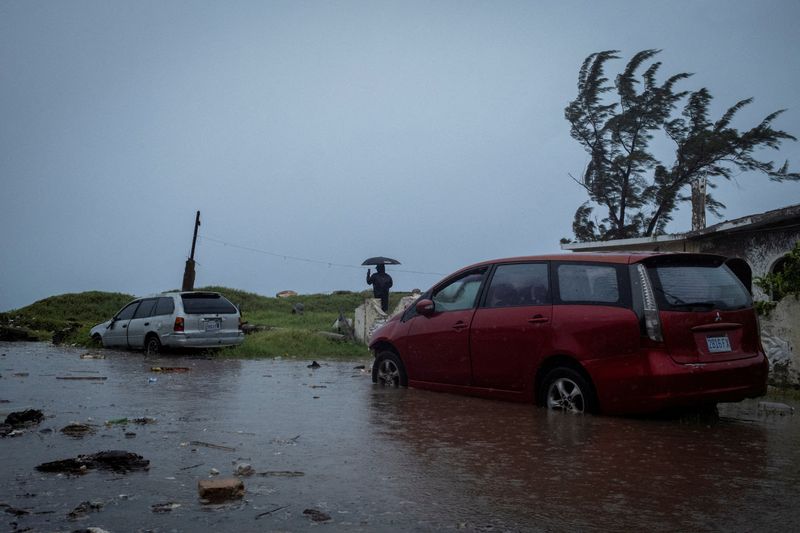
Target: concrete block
220 490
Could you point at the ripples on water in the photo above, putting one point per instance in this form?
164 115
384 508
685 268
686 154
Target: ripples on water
380 459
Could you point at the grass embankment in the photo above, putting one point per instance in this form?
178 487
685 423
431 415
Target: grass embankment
69 317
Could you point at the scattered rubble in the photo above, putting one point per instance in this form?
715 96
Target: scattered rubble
77 430
317 515
117 460
281 473
164 507
83 509
220 490
243 469
21 419
214 446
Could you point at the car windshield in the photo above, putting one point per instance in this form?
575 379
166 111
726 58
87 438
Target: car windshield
698 287
202 304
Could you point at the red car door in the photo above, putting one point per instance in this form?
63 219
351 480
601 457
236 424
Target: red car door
512 327
437 348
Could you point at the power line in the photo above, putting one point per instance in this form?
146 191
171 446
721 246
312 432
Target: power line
305 259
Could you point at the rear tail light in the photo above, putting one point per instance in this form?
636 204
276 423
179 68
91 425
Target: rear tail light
652 321
178 327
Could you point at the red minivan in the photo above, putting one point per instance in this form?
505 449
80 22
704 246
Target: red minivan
615 333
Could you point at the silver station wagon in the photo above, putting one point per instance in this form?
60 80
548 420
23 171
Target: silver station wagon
173 320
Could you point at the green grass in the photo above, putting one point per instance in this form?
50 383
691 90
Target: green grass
287 334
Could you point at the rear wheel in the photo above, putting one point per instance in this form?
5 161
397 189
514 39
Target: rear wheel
388 369
152 346
97 339
564 389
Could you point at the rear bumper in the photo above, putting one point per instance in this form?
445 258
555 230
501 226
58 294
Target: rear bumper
652 381
184 340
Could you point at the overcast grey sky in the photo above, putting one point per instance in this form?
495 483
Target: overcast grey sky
428 131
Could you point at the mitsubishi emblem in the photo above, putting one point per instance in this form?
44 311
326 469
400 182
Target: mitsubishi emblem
718 317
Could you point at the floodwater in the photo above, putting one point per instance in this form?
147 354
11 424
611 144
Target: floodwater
373 459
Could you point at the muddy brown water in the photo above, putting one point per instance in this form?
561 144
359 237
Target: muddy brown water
373 459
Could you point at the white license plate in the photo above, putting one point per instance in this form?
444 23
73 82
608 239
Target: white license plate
212 325
718 344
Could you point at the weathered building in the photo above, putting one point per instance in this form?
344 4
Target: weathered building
755 245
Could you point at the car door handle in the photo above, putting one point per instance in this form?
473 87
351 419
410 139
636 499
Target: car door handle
538 319
124 326
458 326
147 323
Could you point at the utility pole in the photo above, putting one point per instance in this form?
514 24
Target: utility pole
188 272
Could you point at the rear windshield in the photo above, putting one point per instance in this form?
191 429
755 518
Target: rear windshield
204 304
698 288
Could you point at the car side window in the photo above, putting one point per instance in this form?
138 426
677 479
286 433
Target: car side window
588 283
518 285
145 308
127 311
459 293
165 306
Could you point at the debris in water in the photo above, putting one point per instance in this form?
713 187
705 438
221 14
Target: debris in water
78 430
20 419
359 367
243 469
91 355
281 473
83 378
317 516
265 513
83 509
209 445
16 511
116 460
314 364
220 490
213 472
167 369
164 507
117 421
21 375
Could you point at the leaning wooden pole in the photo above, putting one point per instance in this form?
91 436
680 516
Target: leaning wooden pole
188 272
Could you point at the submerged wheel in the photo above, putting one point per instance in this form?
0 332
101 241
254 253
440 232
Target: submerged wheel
97 339
564 389
388 369
152 346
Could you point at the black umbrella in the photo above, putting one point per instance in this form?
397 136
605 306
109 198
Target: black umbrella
380 260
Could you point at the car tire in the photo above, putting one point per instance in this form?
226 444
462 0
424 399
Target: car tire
97 339
565 389
388 369
152 346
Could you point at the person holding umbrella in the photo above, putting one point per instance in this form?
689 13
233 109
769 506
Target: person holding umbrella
381 281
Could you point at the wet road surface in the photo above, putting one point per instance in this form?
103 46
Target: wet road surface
373 459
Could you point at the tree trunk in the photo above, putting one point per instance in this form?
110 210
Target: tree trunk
699 204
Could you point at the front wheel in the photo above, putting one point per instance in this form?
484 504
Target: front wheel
388 369
152 346
564 389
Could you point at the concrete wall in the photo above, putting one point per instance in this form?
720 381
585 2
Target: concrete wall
780 335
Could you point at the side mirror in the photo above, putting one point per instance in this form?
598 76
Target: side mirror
425 307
